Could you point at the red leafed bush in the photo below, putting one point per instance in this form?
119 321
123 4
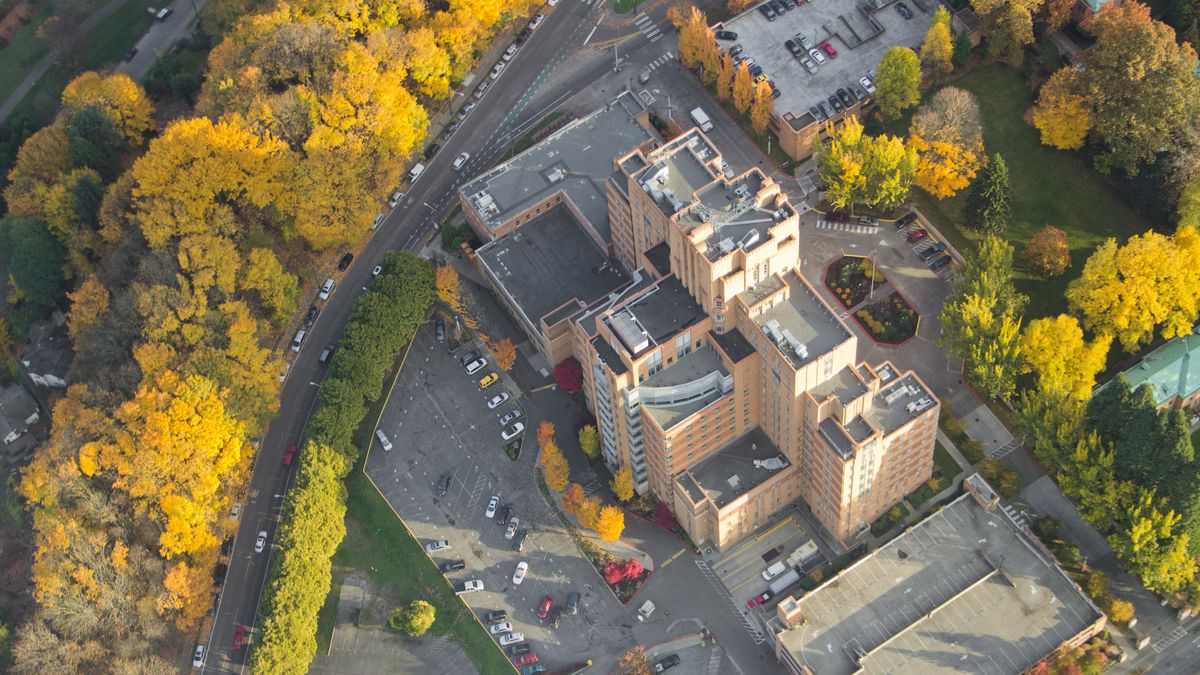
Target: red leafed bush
614 573
569 376
632 570
664 518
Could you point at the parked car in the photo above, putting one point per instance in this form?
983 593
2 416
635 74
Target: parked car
773 571
198 657
344 263
298 341
311 317
572 604
940 262
519 539
383 440
525 660
510 52
829 49
496 70
432 150
845 97
395 199
519 575
461 160
904 10
735 50
452 566
472 586
476 366
857 90
490 512
933 251
326 289
758 599
725 35
836 104
795 49
756 70
501 628
497 400
917 235
544 606
289 455
326 354
378 220
453 126
517 650
817 114
502 516
260 542
438 545
488 380
511 530
808 64
466 110
443 485
510 416
467 357
131 53
537 21
511 639
553 617
802 40
867 84
377 270
667 663
439 330
816 56
496 615
767 11
512 431
906 220
533 670
235 512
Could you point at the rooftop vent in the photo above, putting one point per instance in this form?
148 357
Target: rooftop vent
919 405
772 464
734 482
750 239
726 245
555 175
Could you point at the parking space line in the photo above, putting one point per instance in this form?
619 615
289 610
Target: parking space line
738 549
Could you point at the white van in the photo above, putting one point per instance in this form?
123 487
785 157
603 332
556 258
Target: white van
298 340
701 119
326 289
416 172
773 571
383 439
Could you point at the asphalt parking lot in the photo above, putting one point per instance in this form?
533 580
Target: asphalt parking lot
438 421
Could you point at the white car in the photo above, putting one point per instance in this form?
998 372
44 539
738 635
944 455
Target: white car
511 639
482 89
466 110
510 416
496 70
461 160
326 289
261 542
476 366
490 512
378 220
537 21
298 341
867 84
518 577
395 199
472 586
383 440
235 512
817 56
513 431
510 52
552 2
505 627
773 571
808 65
435 546
512 528
198 657
375 272
497 400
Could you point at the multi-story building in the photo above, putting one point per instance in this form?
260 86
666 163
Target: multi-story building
715 371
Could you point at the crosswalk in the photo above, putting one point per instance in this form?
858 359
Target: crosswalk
1005 449
856 228
660 60
648 27
1019 517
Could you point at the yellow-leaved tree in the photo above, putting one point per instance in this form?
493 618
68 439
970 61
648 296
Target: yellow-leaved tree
761 108
1064 362
947 135
622 484
122 99
743 88
938 48
610 523
1061 115
555 467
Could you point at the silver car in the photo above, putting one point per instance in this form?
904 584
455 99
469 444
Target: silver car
808 64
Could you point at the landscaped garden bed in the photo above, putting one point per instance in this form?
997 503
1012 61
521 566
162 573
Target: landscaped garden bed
849 278
890 320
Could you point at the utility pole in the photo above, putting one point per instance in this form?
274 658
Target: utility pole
871 295
616 58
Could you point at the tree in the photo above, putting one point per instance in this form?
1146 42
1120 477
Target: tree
738 6
35 260
694 39
634 662
962 49
938 48
989 206
1149 285
568 375
1007 26
622 484
572 498
874 170
95 142
1120 611
743 88
725 78
505 354
1065 363
1147 542
1048 253
1136 111
6 341
589 512
121 99
610 524
555 466
1053 424
589 441
1088 476
897 81
1055 14
413 620
278 290
760 109
448 285
1061 115
545 433
89 302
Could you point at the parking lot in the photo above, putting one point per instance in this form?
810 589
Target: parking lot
438 422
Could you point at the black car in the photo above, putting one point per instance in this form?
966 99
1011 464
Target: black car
725 35
778 6
755 70
940 262
845 97
468 357
497 615
523 36
345 262
836 104
826 110
667 663
131 53
735 50
432 150
502 515
572 604
904 10
817 114
794 48
519 539
311 317
768 11
519 649
932 252
775 92
443 485
439 330
789 4
908 219
452 566
553 617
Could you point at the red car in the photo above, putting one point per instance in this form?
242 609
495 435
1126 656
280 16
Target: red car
544 608
239 637
828 49
917 235
758 600
289 455
526 660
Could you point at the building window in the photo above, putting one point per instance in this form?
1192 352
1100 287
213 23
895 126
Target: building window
655 362
683 344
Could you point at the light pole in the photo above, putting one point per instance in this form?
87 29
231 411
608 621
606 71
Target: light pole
871 295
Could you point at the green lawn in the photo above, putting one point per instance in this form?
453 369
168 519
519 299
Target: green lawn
622 6
1049 187
946 466
24 50
1196 440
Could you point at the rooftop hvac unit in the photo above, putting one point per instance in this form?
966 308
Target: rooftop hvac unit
775 336
919 405
773 323
660 176
656 194
726 245
898 392
676 204
750 239
742 191
772 464
555 176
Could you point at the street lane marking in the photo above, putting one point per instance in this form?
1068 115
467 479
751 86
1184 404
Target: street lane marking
670 560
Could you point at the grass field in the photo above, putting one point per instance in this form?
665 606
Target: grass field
1049 187
945 464
24 50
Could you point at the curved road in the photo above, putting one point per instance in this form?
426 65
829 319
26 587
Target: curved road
500 118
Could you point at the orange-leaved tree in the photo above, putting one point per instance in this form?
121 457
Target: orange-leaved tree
572 498
610 524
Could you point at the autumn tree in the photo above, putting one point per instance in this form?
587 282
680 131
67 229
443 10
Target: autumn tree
738 6
694 39
760 109
572 498
610 524
989 206
1055 14
634 662
622 484
589 512
981 319
947 135
1149 285
555 466
856 168
120 98
1148 542
88 303
743 88
724 84
413 620
938 48
589 441
1048 252
278 289
545 433
1062 116
1007 27
505 354
1065 363
897 81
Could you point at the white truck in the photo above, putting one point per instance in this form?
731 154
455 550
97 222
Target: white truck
701 119
784 582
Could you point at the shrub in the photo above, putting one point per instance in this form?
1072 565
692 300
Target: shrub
1120 611
413 620
1046 528
1067 554
1097 585
1048 254
569 376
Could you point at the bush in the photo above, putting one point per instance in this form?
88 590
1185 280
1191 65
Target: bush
1067 554
413 620
1097 585
568 375
1046 528
973 450
1001 477
1120 611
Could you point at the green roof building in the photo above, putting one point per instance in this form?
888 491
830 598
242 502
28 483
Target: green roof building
1173 373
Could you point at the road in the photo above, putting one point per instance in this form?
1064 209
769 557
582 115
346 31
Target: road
162 34
501 117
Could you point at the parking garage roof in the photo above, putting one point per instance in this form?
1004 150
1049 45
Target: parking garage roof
965 590
859 32
576 159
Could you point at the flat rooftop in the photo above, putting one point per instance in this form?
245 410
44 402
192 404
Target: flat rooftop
858 31
655 316
898 402
737 220
802 319
576 159
844 385
678 172
964 590
550 261
731 472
